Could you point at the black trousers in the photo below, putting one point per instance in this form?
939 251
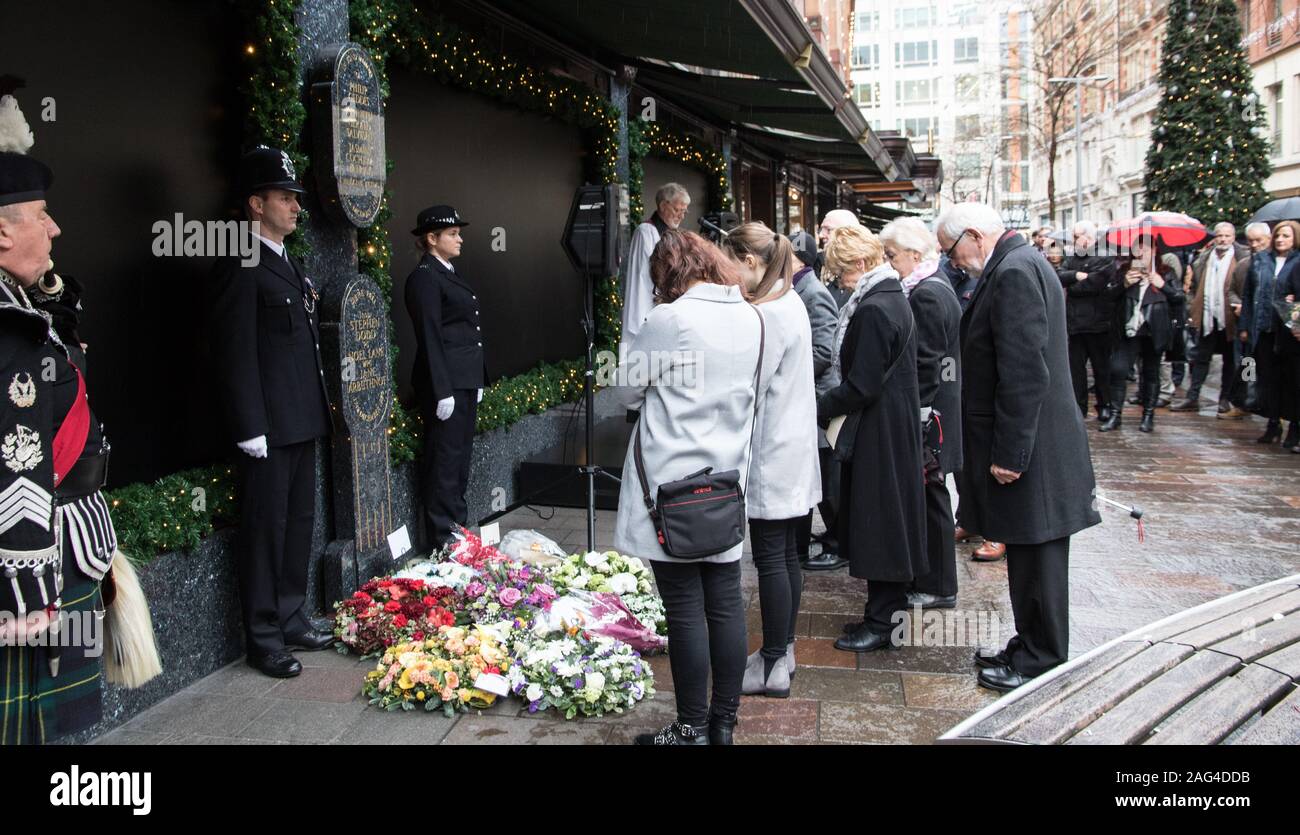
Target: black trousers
444 470
279 510
940 545
885 599
780 580
1039 577
1125 354
830 500
706 630
1090 348
1225 344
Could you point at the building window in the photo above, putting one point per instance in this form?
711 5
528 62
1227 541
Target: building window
1275 23
916 54
867 22
967 89
968 127
1276 122
866 57
867 94
968 165
967 50
919 91
1015 177
967 14
917 17
919 128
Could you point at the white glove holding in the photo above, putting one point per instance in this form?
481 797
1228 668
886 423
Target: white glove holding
480 396
446 406
255 447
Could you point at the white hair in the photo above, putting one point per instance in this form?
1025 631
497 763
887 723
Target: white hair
1259 227
841 217
671 193
1085 227
963 217
909 233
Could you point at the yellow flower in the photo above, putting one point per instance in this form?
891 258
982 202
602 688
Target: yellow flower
442 665
405 681
408 659
420 696
466 695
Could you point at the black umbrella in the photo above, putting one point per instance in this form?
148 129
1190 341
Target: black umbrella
1287 208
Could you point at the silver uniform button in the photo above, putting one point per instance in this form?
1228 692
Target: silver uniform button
480 345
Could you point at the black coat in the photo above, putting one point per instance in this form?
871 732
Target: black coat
1089 302
882 518
267 351
938 360
1018 406
1160 306
963 284
448 332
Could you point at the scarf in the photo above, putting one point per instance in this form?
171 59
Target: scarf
871 279
923 270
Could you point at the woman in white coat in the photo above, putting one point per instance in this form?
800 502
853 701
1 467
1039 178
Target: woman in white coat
784 474
690 371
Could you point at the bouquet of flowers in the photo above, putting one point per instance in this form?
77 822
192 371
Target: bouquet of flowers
1289 311
578 674
390 611
450 574
469 550
506 591
439 672
628 577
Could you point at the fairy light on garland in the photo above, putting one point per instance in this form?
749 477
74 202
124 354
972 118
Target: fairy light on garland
647 137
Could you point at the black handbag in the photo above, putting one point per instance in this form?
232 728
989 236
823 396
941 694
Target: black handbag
704 513
842 449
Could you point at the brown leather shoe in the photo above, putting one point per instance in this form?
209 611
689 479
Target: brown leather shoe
1233 414
963 535
989 552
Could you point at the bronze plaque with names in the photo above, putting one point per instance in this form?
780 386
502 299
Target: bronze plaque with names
348 117
367 396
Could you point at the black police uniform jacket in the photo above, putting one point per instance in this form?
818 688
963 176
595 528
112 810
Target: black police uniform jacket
1018 406
444 311
267 351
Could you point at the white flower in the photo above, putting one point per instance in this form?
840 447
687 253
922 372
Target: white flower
593 559
595 681
635 565
579 582
557 691
623 583
533 693
565 669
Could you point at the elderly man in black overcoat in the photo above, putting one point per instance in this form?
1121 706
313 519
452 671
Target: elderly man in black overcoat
1027 478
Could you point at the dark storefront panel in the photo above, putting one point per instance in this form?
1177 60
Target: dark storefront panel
505 171
147 125
660 170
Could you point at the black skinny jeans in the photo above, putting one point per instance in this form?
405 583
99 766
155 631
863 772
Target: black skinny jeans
706 632
780 580
1126 352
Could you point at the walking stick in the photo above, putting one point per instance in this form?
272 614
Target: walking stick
1133 511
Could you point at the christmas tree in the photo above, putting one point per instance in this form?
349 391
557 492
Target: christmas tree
1208 155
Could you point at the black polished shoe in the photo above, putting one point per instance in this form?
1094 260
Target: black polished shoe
1163 403
1002 679
986 659
930 601
1148 423
1104 413
864 639
1191 404
722 728
1272 434
309 641
1292 439
1113 422
676 734
277 664
825 561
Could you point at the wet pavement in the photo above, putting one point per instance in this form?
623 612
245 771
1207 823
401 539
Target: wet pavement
1222 513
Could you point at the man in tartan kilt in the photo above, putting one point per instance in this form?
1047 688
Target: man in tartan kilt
56 539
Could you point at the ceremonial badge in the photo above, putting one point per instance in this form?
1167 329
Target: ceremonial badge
22 394
21 450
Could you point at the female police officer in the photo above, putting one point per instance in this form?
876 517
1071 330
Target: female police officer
449 372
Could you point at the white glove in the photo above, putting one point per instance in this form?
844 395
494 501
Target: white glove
480 396
446 406
255 447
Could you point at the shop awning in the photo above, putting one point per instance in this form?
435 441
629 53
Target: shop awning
779 78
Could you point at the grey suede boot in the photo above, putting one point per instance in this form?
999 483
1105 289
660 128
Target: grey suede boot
789 659
776 684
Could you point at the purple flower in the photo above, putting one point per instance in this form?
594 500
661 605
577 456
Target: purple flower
532 707
579 683
475 589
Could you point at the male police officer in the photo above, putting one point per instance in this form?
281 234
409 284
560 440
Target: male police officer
273 386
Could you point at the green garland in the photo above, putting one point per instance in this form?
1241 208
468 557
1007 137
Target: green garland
174 512
644 138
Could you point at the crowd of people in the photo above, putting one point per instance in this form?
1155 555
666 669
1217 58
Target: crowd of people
1159 315
902 358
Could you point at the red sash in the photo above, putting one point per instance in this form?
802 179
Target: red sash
70 440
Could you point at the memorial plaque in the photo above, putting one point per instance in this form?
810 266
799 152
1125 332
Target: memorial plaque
348 124
366 398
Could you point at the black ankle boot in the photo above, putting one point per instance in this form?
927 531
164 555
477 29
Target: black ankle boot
1113 421
676 734
721 728
1148 423
1272 434
1292 436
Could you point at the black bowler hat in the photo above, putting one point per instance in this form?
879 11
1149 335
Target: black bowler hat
22 179
437 217
263 168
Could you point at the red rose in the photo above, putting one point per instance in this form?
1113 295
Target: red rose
399 621
429 600
392 606
419 636
362 597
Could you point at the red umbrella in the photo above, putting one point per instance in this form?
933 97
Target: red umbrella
1173 229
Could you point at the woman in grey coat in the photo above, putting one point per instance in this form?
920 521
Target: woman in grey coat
690 371
784 479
